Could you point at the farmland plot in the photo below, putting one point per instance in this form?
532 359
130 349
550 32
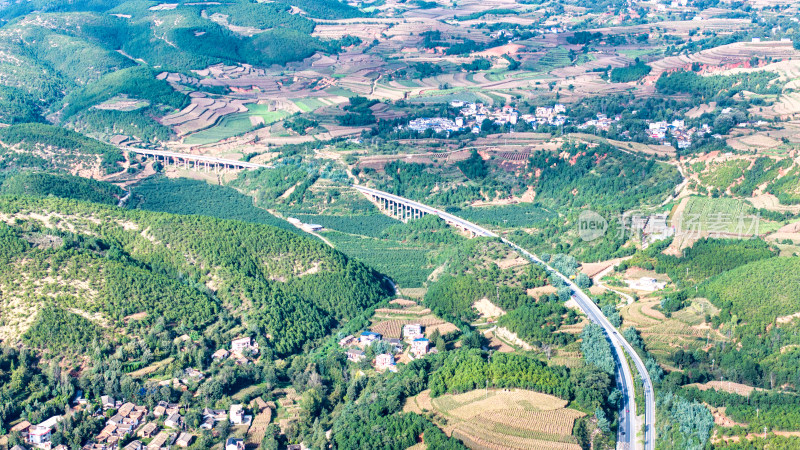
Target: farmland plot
503 419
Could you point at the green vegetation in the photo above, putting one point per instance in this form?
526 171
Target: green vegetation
493 12
634 72
596 349
722 215
64 186
133 274
184 196
60 331
705 259
472 370
372 225
755 292
717 86
135 82
684 423
764 169
724 174
408 265
513 216
17 106
69 146
787 188
773 410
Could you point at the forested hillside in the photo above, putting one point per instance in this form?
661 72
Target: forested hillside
40 146
136 268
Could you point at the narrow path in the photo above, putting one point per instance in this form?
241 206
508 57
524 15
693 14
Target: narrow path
597 280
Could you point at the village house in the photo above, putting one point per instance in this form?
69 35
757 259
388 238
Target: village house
158 441
148 431
79 399
355 355
347 341
368 337
174 421
184 440
22 428
234 444
385 361
420 346
134 445
107 401
240 345
39 435
236 414
412 330
396 345
220 354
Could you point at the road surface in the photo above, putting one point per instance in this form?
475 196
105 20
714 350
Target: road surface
626 437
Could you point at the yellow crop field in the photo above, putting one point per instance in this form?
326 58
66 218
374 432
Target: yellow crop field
502 418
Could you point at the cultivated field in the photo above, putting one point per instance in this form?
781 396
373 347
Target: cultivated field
502 419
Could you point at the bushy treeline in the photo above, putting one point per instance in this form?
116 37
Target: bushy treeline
137 82
634 72
773 410
185 196
717 86
683 423
371 416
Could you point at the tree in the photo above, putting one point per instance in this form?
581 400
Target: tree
596 349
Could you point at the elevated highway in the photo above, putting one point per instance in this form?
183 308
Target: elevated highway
405 209
197 162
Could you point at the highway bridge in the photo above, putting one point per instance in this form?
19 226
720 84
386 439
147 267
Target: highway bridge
196 162
405 209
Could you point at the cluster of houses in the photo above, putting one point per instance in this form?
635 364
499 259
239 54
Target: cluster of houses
603 122
547 115
472 115
418 346
677 128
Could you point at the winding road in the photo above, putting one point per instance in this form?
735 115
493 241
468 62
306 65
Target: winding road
626 437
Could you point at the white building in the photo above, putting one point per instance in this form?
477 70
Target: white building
242 344
236 414
412 330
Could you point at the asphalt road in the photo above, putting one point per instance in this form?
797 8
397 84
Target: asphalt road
626 437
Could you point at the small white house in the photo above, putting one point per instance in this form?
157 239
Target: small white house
368 337
420 346
411 329
242 344
384 361
236 414
173 421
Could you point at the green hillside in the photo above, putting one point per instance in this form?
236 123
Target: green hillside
64 186
759 292
130 270
40 146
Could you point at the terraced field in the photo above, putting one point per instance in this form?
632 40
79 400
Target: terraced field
662 335
502 419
